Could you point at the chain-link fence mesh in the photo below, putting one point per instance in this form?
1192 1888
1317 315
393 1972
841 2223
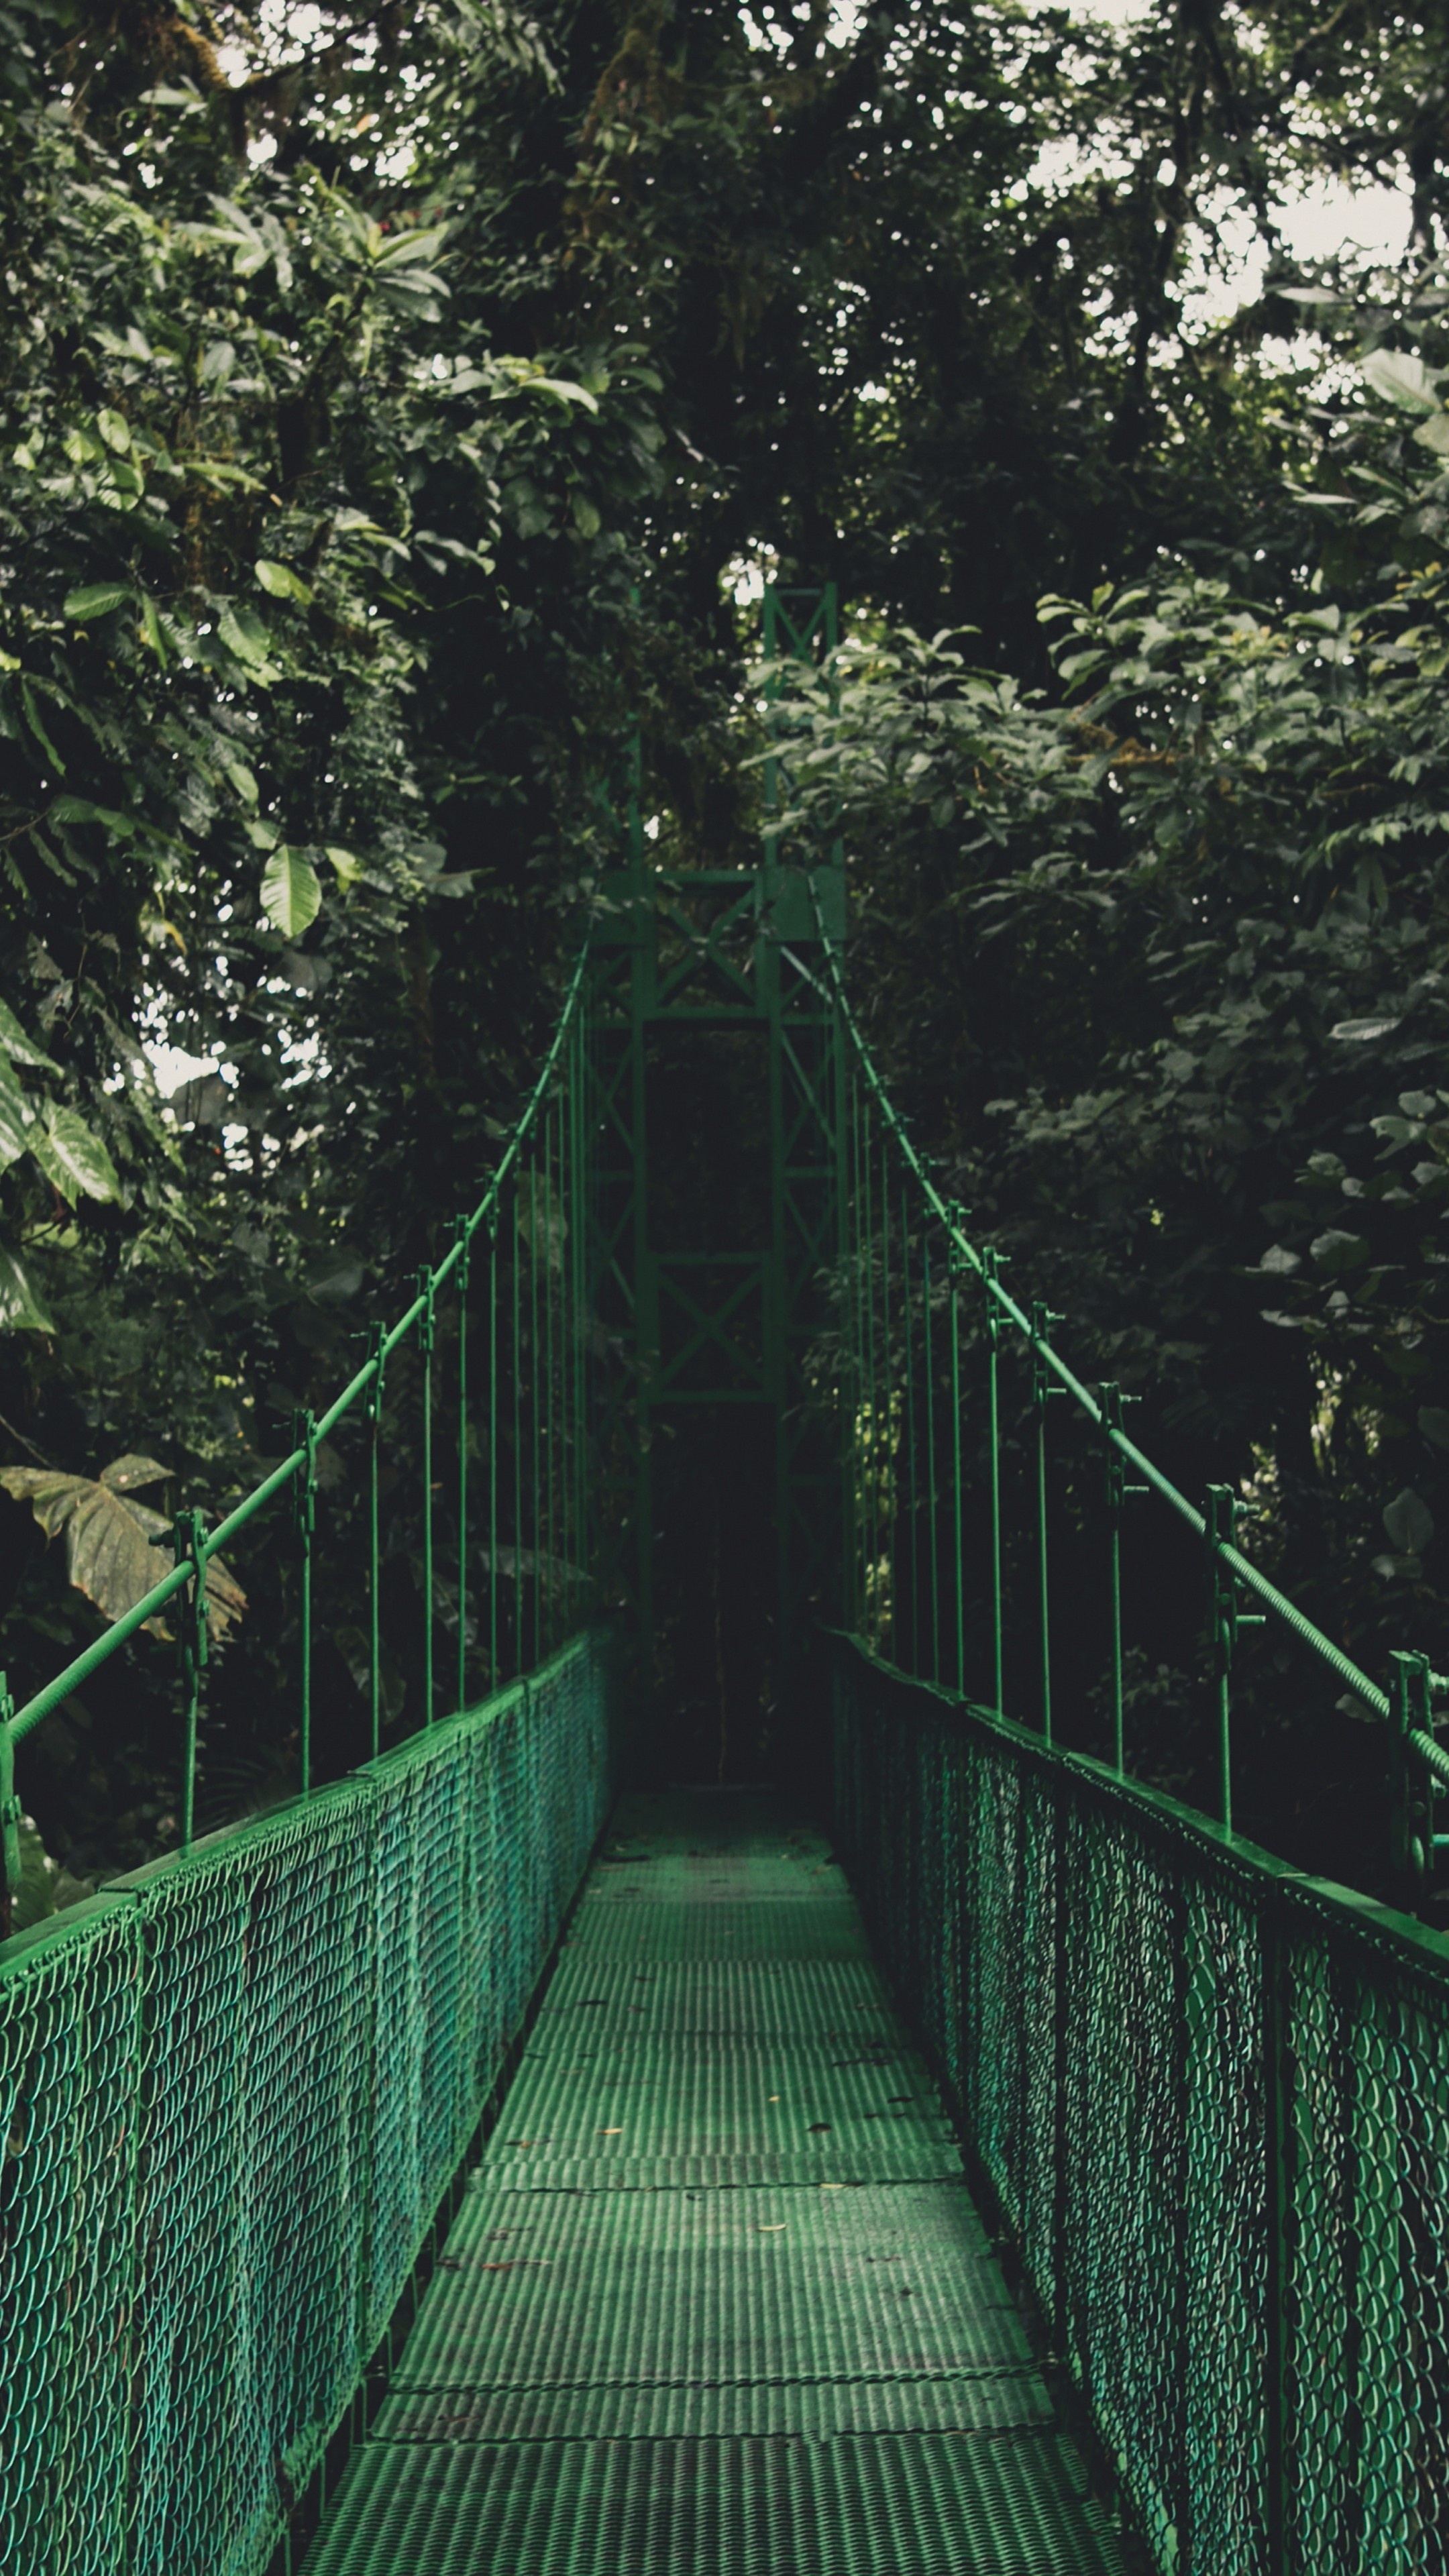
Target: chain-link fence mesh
1212 2098
232 2092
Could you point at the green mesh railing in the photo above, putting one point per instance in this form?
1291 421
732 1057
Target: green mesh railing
928 1561
518 1402
1209 2093
1211 2097
235 2086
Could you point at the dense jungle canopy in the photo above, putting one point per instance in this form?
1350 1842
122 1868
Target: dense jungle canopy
403 404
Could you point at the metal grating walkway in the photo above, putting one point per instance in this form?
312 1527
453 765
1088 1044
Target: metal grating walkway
718 2302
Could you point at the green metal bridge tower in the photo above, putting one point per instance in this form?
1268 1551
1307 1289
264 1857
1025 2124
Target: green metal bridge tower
735 952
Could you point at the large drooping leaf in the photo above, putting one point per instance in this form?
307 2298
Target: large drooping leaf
124 1474
291 895
71 1157
281 582
1337 1250
1360 1032
22 1308
23 1050
1409 1522
1401 379
117 1548
96 600
17 1118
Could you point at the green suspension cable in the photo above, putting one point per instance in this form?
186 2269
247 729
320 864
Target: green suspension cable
1042 1320
852 1417
516 1355
494 1675
958 1566
425 1345
188 1541
930 1395
304 1515
374 1560
915 1529
460 1229
872 1595
888 1466
545 1497
989 1262
535 1406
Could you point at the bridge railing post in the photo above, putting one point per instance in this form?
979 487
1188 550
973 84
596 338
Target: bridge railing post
1042 1390
956 1266
992 1263
1418 1771
462 1238
1225 1620
426 1323
908 1406
9 1803
304 1523
378 1338
1114 1477
188 1538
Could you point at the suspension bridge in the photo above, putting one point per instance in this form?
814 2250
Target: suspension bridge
500 2158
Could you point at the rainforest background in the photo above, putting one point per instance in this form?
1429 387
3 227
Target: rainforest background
400 411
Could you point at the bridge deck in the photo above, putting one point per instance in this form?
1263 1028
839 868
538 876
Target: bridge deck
718 2299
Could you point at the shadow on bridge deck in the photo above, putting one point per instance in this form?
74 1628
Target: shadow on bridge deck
718 2298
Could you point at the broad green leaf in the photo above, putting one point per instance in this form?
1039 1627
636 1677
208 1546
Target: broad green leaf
280 582
117 1549
400 250
152 628
1434 1424
96 600
115 429
17 1117
586 517
1360 1032
17 1045
563 392
1336 1250
1401 379
123 1474
349 869
1434 434
291 895
71 1157
1409 1522
22 1308
243 633
79 809
419 291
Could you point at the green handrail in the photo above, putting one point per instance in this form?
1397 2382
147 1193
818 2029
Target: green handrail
1406 1711
196 1547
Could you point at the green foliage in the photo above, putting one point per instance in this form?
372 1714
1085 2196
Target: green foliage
393 416
111 1539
